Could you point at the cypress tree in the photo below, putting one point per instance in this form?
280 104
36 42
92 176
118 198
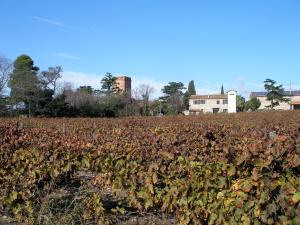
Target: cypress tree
190 91
191 88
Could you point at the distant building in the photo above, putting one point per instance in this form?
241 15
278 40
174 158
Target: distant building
215 103
124 84
294 102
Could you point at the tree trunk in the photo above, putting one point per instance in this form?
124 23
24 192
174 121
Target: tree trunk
29 110
272 104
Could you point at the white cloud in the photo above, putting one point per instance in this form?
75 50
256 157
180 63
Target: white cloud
157 86
81 79
49 21
94 80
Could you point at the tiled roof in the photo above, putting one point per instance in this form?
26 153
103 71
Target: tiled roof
216 96
295 103
264 93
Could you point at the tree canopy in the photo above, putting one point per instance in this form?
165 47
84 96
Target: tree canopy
86 89
253 104
109 84
24 81
240 103
173 88
275 93
173 97
191 88
190 91
48 79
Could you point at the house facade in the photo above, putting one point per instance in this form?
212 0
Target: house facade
215 103
293 104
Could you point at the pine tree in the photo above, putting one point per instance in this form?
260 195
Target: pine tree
109 84
275 93
24 82
173 97
222 90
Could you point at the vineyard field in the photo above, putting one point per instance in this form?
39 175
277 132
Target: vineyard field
209 169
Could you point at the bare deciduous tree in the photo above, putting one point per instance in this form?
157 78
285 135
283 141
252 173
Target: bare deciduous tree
144 92
5 72
49 78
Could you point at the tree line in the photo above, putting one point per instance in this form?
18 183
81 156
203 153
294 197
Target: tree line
37 93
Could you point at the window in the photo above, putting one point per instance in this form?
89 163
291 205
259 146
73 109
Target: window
225 101
199 101
225 110
218 102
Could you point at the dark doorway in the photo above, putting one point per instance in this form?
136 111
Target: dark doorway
216 110
297 107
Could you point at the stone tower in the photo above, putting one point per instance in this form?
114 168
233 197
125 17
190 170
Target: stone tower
124 84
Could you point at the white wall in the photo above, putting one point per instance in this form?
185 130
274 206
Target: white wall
209 105
231 101
281 106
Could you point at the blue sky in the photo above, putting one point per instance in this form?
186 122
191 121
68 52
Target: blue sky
238 43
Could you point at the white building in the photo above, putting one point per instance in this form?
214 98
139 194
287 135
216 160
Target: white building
294 102
215 103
